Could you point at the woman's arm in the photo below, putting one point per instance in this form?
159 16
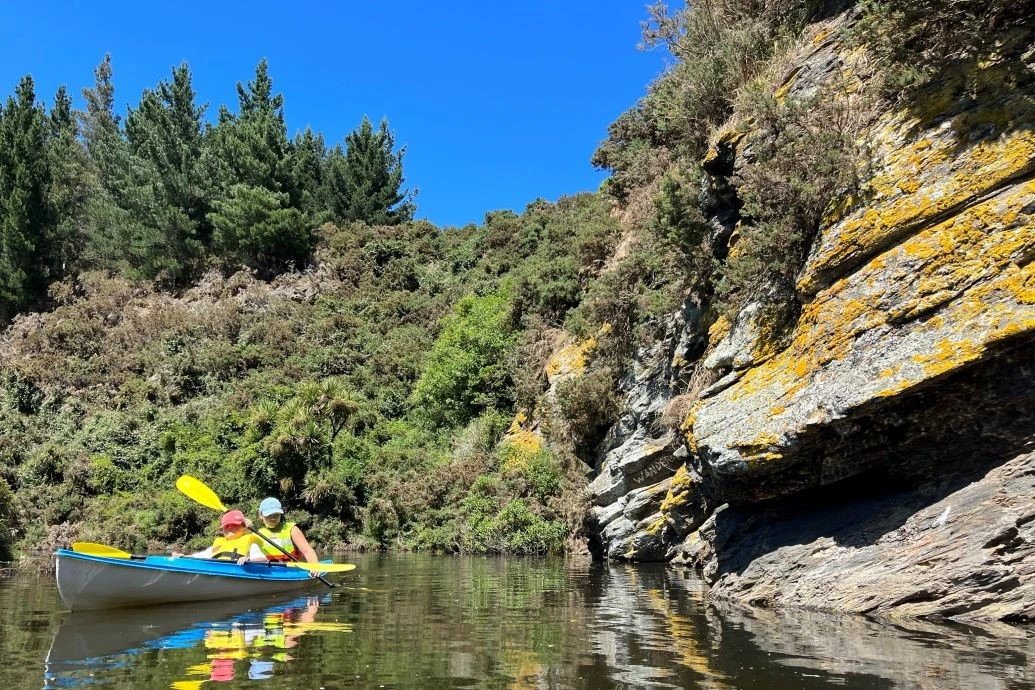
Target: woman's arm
207 553
255 555
302 543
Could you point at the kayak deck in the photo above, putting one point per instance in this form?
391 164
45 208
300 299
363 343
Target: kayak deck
96 582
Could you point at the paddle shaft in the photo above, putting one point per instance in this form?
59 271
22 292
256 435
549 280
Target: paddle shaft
281 549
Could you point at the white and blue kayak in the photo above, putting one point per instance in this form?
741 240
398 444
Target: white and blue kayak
88 582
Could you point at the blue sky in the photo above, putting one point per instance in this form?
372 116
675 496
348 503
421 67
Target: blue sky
496 103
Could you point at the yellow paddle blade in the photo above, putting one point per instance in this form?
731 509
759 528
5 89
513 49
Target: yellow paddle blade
91 549
323 567
196 489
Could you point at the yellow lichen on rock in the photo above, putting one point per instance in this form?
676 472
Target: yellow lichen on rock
921 177
519 419
930 305
718 330
572 359
687 427
679 490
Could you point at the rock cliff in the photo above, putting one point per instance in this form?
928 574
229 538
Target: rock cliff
879 458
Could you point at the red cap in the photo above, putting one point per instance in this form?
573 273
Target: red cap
233 518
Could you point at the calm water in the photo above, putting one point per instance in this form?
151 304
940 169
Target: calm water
443 622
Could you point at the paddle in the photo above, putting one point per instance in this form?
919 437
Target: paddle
92 549
197 490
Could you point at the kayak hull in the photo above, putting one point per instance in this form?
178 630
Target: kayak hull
95 582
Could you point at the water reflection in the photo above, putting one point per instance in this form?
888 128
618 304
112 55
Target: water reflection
727 646
438 623
241 640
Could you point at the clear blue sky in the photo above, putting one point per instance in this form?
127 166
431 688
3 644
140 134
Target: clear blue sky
496 103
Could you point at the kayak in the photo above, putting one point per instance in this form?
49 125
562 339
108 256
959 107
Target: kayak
89 582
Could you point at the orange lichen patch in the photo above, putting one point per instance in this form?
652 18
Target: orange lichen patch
922 179
788 82
760 449
729 134
719 330
526 440
766 343
517 449
679 489
969 277
908 186
520 418
571 359
655 527
821 36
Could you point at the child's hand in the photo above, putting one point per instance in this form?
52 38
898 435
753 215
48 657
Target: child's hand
242 560
176 554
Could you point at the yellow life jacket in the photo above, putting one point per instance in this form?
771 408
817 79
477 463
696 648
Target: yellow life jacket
234 548
282 537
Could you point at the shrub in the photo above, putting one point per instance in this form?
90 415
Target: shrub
6 520
804 158
589 406
516 529
630 300
917 40
465 371
720 46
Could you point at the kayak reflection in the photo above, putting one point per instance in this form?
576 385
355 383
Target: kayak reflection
243 639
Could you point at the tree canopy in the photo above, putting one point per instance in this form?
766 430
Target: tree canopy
163 194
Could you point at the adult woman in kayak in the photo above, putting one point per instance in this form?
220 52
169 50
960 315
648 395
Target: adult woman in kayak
236 542
287 535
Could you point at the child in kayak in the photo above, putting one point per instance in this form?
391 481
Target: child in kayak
236 543
285 534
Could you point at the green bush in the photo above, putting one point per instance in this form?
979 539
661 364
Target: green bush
516 529
466 368
6 520
719 46
95 429
630 299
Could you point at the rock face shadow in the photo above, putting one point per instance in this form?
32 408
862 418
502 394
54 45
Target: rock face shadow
960 545
940 523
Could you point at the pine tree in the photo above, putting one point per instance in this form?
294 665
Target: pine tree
257 219
109 226
363 181
255 227
70 189
100 124
170 188
308 158
252 146
23 209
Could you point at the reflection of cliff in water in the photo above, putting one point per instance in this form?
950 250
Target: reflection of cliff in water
248 631
654 615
